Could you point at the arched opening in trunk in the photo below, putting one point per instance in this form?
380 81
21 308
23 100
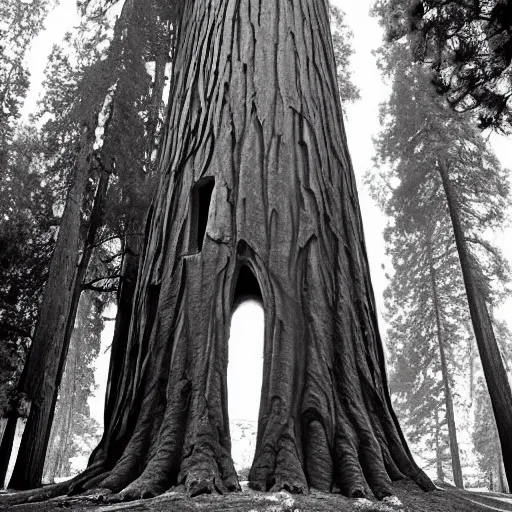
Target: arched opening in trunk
245 369
200 207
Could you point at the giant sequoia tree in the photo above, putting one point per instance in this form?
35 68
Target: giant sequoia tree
256 196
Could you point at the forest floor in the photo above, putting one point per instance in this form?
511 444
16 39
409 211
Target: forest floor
409 498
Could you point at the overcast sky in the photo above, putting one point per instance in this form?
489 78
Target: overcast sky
362 123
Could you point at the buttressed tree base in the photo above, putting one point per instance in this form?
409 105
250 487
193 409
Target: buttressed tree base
256 197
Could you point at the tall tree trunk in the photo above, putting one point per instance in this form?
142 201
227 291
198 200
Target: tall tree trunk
132 246
472 356
7 444
439 450
256 122
492 362
40 381
57 318
161 61
450 416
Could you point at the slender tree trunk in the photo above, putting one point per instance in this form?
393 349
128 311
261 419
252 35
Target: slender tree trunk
492 362
57 318
6 446
256 122
48 350
161 61
3 425
471 356
132 247
439 450
450 416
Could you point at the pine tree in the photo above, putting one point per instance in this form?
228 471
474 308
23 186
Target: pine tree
21 223
427 298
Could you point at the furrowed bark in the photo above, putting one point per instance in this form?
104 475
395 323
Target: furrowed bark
450 416
255 150
492 362
51 337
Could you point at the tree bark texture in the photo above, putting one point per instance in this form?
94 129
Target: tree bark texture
490 355
255 109
450 416
41 377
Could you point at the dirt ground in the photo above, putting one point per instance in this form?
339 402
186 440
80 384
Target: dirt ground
409 498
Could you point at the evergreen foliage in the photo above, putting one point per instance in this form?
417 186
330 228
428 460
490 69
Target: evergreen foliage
343 52
27 232
418 128
19 24
467 47
26 217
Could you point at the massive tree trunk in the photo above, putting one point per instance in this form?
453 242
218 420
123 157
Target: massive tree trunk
254 173
450 416
492 362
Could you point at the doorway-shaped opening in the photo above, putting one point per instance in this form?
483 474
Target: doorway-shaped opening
245 370
200 207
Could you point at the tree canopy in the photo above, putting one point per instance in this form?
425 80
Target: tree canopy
467 47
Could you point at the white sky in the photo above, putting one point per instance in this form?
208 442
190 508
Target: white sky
245 365
59 21
246 346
